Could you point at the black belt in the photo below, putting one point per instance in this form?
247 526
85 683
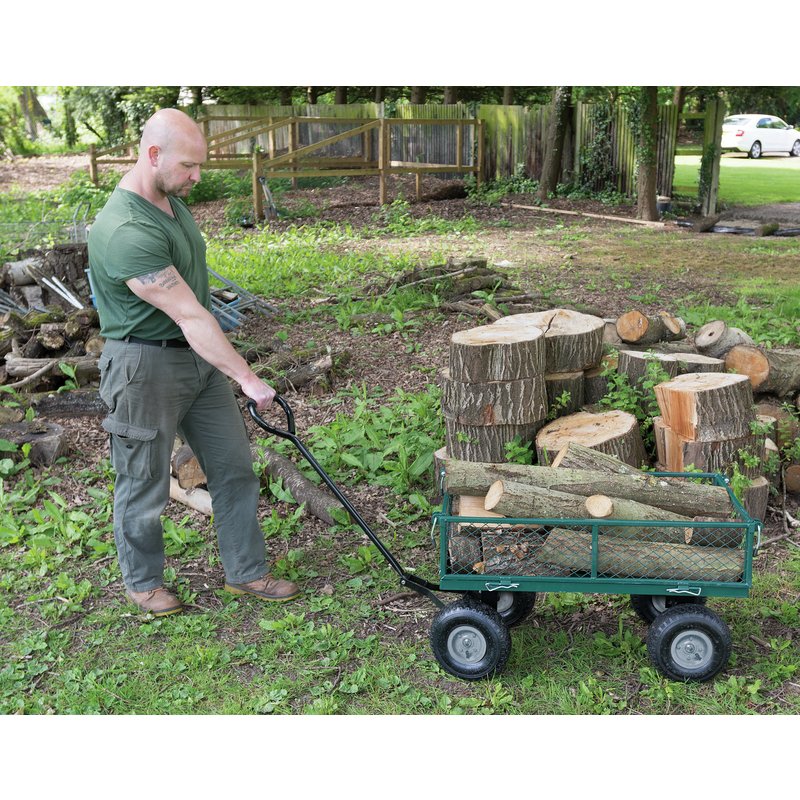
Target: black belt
181 343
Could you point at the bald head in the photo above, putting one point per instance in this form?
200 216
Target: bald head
168 128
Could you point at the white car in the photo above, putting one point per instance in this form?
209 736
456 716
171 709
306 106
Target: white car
756 134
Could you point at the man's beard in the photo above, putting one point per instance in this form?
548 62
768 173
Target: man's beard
177 190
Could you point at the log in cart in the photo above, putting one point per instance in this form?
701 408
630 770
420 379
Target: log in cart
497 565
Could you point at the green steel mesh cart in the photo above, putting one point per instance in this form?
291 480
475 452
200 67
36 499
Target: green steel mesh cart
497 566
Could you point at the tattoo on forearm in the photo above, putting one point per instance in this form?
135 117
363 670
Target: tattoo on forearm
165 278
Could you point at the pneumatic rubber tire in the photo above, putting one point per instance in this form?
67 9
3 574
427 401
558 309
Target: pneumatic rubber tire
689 642
795 151
513 607
649 606
470 640
755 150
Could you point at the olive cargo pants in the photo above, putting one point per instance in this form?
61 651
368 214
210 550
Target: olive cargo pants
153 393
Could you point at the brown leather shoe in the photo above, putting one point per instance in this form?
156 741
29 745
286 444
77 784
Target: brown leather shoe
267 588
158 602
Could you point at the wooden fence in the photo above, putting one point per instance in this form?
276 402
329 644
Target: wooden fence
491 141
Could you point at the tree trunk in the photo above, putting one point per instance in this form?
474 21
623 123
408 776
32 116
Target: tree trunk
615 432
557 127
418 95
677 496
311 94
707 406
646 185
450 95
573 341
380 94
508 95
340 96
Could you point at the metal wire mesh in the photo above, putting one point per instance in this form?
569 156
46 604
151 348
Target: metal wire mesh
625 551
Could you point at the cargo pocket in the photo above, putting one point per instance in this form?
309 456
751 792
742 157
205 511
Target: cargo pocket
132 448
104 365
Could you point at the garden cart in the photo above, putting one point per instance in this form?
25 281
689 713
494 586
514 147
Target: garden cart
498 565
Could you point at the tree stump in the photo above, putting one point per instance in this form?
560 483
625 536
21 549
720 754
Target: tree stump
565 393
495 402
491 353
574 341
707 406
48 441
716 338
614 432
770 371
756 498
595 385
485 442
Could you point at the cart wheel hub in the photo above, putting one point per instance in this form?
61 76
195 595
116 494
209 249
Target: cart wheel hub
467 644
692 649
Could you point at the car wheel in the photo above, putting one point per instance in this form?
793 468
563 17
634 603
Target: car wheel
755 150
795 151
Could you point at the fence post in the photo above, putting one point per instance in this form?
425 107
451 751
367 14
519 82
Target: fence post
93 164
479 173
709 162
258 198
382 137
292 147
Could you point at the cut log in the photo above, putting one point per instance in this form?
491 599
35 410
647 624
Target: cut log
633 363
707 406
85 366
318 501
495 402
303 375
610 335
464 542
756 498
639 328
599 506
48 441
770 371
521 500
621 558
198 499
565 393
791 478
439 461
614 432
21 273
787 427
494 353
52 336
187 469
485 442
716 338
573 341
606 475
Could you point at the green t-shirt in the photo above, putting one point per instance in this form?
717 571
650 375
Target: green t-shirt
132 237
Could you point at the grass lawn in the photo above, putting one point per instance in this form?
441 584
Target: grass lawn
743 181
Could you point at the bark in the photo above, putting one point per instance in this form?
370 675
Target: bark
75 403
48 441
495 402
770 371
450 95
614 432
340 96
559 121
716 338
633 363
646 185
676 495
707 406
565 392
86 366
595 385
485 442
508 95
639 328
418 95
495 353
573 341
756 497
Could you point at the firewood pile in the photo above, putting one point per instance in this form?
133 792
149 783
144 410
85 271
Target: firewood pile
535 379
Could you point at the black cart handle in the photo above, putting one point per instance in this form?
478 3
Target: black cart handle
261 422
417 584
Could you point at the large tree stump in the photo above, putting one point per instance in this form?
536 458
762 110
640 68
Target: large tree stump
48 441
622 558
679 453
493 403
485 442
639 328
491 353
574 341
756 498
565 393
716 338
770 371
707 406
615 432
675 495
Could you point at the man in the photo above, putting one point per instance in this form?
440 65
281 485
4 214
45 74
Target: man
164 367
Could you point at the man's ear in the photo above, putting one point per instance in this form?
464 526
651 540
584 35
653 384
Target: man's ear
152 153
